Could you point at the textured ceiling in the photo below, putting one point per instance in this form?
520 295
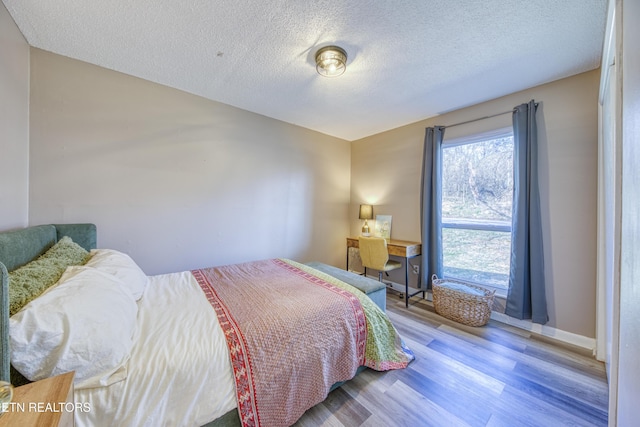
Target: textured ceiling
407 59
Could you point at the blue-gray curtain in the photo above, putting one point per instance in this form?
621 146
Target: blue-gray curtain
431 205
526 298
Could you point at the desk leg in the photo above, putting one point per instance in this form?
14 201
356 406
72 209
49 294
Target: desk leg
406 283
421 290
347 258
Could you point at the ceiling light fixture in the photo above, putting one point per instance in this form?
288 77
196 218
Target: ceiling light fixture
331 61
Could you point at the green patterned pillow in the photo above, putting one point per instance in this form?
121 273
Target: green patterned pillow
32 279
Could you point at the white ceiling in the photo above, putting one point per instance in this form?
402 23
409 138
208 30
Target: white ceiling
407 59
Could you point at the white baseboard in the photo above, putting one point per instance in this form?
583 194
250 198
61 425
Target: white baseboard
547 331
528 325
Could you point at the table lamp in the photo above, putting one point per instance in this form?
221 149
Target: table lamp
366 212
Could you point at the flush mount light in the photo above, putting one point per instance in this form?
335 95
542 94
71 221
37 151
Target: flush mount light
331 61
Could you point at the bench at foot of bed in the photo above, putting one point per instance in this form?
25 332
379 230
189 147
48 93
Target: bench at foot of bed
374 289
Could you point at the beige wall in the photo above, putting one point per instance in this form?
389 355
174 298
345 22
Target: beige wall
386 168
176 180
14 124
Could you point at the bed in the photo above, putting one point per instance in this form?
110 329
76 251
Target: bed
255 343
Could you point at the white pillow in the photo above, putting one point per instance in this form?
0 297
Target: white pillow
85 324
122 266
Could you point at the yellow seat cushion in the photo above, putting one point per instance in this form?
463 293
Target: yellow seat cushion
392 265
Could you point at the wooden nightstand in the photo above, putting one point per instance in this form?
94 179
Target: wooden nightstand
47 402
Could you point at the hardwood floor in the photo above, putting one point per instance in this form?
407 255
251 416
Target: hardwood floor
491 376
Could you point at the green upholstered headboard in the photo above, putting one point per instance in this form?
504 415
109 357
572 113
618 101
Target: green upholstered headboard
19 247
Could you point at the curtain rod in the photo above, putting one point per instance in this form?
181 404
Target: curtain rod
481 118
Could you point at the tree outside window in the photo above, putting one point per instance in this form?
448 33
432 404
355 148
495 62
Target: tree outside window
477 195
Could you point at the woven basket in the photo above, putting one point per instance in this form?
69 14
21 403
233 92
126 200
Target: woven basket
462 307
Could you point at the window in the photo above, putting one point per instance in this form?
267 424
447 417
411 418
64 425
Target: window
477 195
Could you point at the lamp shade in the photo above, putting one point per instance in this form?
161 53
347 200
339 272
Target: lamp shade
366 212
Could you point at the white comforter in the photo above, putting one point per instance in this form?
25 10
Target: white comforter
179 372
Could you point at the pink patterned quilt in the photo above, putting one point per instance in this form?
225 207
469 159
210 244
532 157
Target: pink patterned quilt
292 332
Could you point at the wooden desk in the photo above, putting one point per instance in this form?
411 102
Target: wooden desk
400 248
47 402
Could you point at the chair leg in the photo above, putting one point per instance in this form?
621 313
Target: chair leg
401 294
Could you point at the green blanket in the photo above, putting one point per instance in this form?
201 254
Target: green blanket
385 349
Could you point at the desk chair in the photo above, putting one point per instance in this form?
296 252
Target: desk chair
374 254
